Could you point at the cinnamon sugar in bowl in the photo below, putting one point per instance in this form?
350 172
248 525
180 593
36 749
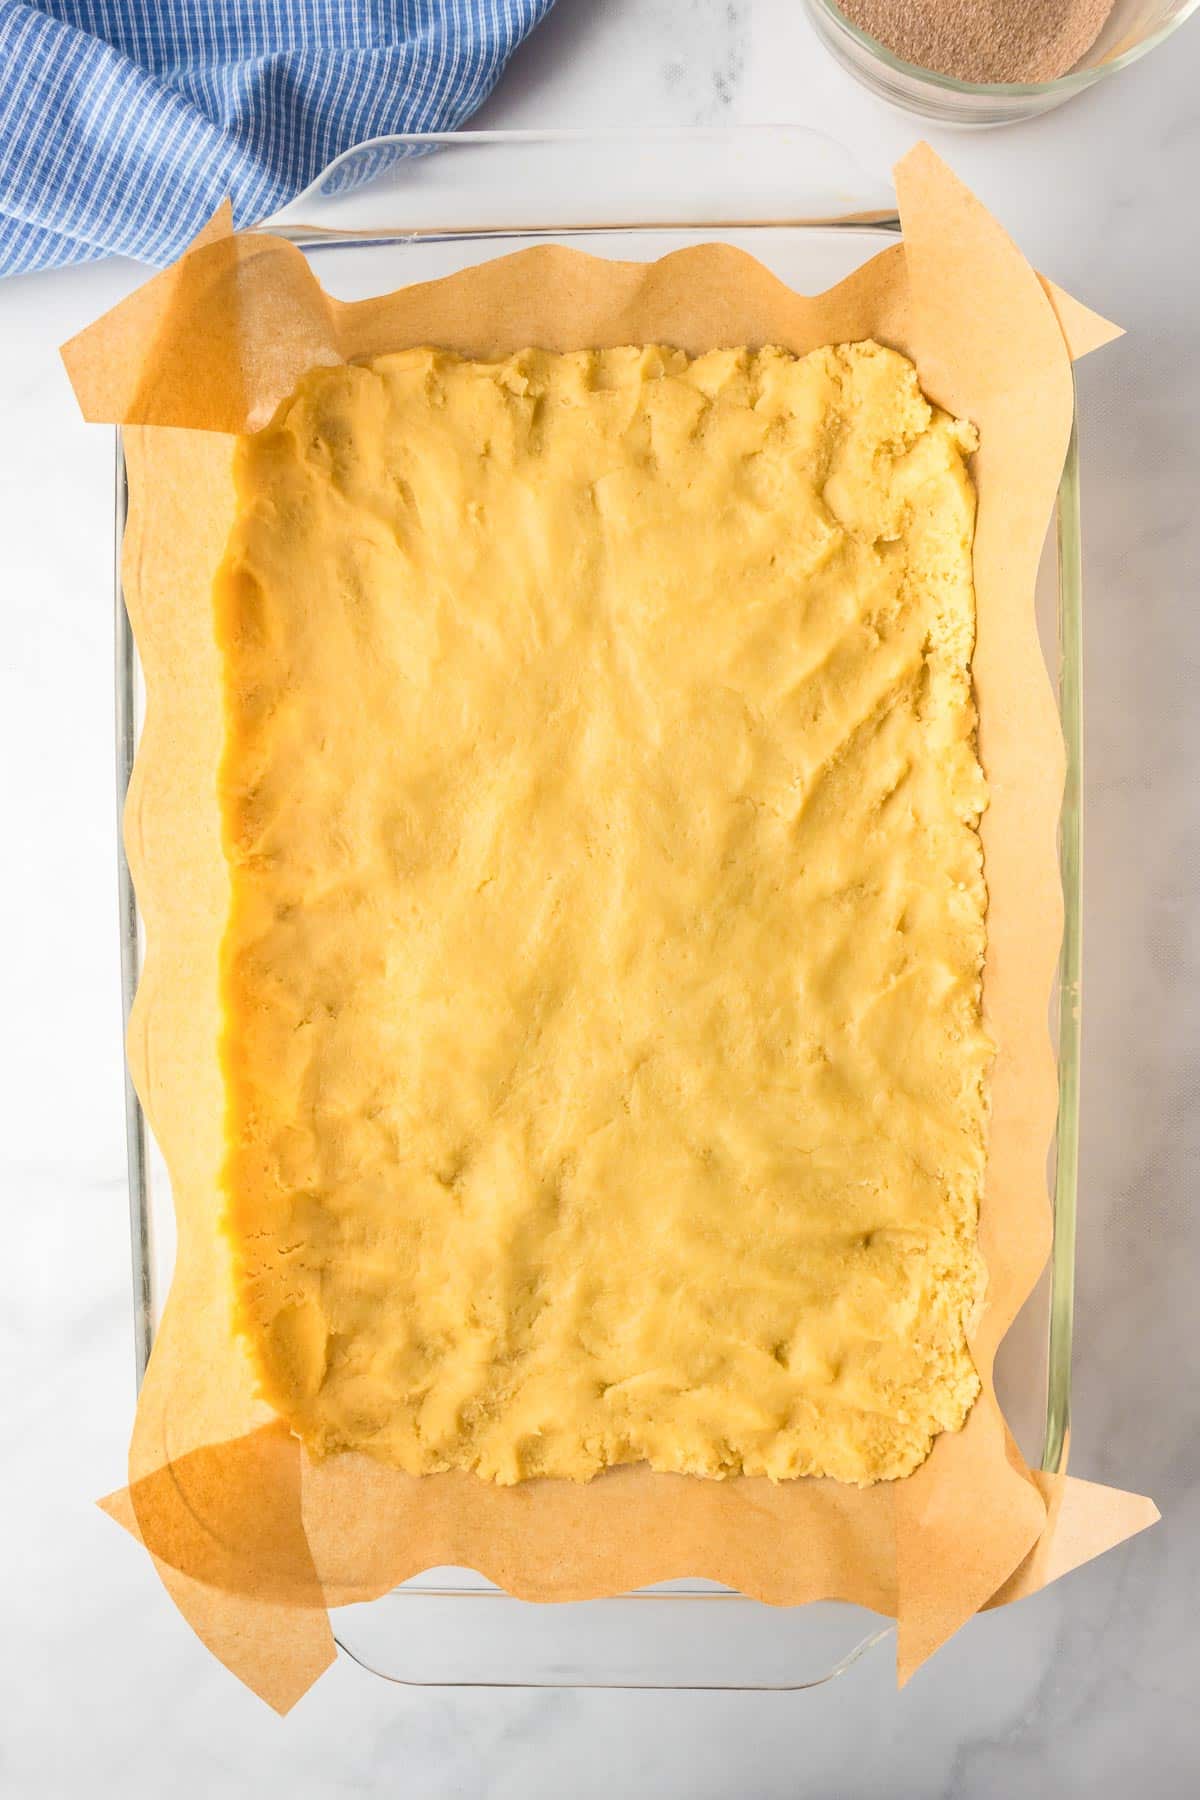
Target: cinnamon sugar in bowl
989 62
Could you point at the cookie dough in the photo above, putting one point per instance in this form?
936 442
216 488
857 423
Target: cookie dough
605 1070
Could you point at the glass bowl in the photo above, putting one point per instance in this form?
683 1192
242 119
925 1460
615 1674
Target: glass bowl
1132 28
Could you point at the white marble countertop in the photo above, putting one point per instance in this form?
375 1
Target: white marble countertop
1089 1687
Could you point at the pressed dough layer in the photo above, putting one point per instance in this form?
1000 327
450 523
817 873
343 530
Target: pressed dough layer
605 1071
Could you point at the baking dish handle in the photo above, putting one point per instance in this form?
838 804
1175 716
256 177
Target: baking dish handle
443 184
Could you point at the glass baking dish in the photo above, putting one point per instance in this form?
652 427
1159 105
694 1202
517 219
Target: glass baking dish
801 205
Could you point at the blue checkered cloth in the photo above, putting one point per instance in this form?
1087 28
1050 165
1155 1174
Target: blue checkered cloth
125 123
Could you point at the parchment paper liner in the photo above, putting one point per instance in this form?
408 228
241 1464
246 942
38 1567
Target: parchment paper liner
255 1542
